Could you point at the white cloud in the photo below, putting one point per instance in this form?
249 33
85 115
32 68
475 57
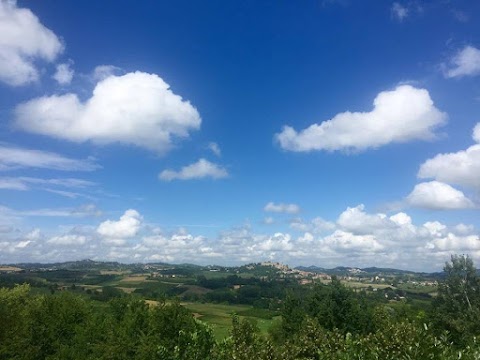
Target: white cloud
439 196
64 74
87 210
24 40
242 245
177 246
435 228
10 216
476 133
316 225
463 229
398 116
102 72
12 184
65 182
466 62
116 232
356 220
69 194
401 219
15 157
299 225
282 208
399 11
160 258
460 168
320 225
68 240
34 235
389 231
346 241
155 241
213 146
454 243
48 185
136 108
24 183
23 244
182 240
201 169
277 242
386 241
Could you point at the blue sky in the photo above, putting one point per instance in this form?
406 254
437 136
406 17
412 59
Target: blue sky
215 132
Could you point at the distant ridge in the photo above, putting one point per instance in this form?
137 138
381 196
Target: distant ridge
344 270
115 265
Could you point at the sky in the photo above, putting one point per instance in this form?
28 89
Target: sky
327 133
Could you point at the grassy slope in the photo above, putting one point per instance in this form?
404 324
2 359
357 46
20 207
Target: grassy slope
219 316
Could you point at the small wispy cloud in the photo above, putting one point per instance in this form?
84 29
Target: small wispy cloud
466 62
64 73
282 208
85 210
201 169
12 157
399 11
215 148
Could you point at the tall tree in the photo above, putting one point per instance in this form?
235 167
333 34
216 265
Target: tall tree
457 306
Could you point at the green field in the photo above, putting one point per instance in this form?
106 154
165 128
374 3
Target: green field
418 289
222 274
219 316
361 285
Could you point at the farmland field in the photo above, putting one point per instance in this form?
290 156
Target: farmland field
219 316
9 268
